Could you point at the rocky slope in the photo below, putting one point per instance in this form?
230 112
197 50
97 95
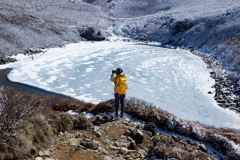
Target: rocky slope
33 24
211 27
120 139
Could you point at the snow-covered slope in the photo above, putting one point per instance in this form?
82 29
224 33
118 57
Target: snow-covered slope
46 23
212 26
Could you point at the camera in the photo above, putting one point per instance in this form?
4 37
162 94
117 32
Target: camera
114 71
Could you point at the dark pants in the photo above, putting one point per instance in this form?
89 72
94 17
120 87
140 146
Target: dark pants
121 98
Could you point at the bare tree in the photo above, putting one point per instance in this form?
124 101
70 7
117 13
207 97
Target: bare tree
15 107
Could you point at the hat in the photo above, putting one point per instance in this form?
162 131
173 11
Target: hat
119 70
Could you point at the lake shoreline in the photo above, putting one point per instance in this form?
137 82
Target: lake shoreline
4 81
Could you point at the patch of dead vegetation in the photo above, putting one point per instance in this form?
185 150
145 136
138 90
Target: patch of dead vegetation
165 147
29 122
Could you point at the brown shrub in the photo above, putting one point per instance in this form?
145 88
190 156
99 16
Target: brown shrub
107 106
15 108
61 122
165 147
31 136
81 122
59 104
28 122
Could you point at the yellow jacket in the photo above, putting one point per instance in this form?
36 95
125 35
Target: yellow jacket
116 88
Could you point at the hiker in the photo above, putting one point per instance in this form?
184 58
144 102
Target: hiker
120 89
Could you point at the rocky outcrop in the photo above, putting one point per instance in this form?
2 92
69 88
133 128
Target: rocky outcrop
4 60
118 139
227 91
31 51
90 34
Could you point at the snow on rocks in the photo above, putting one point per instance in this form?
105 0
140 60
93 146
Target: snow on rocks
226 89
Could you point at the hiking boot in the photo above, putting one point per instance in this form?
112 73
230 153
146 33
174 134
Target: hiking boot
116 115
122 115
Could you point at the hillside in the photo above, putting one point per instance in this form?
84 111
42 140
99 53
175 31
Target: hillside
209 26
54 128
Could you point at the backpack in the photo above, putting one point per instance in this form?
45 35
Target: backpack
121 86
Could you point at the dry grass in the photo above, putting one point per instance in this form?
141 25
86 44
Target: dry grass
32 122
165 147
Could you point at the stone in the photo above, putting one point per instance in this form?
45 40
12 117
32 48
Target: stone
123 150
137 135
127 132
107 158
38 158
41 153
175 138
81 135
103 150
44 153
143 152
89 144
132 145
129 139
114 147
96 128
98 134
140 146
107 141
49 159
149 134
190 142
150 126
90 33
203 147
74 142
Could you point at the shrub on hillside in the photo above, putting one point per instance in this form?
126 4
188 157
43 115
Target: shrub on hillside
14 109
107 106
165 147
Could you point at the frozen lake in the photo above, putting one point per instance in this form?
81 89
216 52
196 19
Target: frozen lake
173 80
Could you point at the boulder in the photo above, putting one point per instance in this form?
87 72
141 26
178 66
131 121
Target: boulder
89 144
150 126
137 135
90 33
3 60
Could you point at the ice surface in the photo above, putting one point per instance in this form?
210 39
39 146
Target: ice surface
173 80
